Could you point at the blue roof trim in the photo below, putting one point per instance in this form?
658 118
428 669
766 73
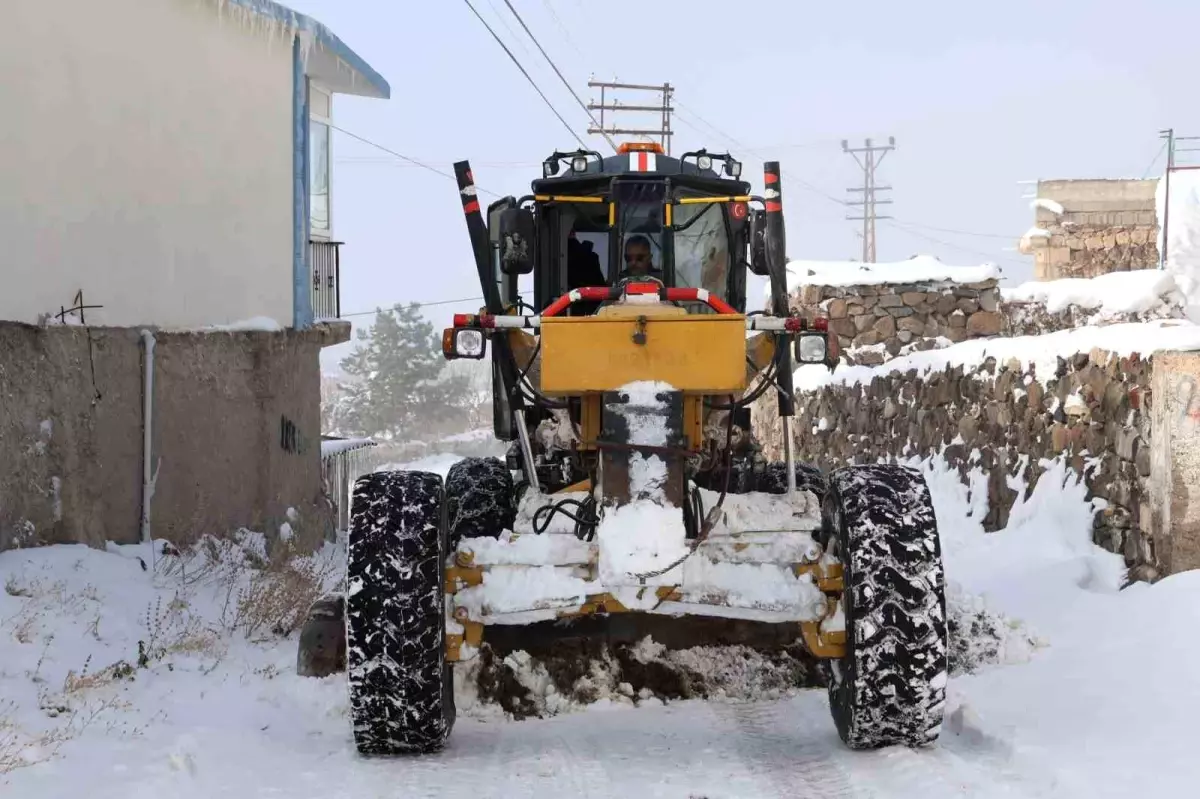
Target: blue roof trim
321 34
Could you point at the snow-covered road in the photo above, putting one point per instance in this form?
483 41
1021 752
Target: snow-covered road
1102 703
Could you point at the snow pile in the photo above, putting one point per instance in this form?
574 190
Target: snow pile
918 269
109 645
1041 352
1111 294
575 677
1183 229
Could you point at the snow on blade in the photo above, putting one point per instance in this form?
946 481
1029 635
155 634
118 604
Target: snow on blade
646 535
1113 293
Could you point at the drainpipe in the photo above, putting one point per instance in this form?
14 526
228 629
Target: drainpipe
149 477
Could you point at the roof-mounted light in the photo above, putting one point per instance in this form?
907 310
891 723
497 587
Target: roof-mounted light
639 147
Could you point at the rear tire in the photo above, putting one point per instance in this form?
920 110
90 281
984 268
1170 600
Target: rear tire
401 687
773 479
890 688
480 501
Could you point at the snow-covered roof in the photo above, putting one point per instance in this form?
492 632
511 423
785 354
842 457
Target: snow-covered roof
336 446
328 59
1115 293
918 269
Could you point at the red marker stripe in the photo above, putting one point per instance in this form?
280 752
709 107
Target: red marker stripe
774 206
471 207
771 177
643 162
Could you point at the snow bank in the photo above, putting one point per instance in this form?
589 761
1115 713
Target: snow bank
1115 293
1042 352
918 269
1183 228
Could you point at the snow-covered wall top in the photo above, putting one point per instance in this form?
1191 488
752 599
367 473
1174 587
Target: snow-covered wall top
1040 352
918 269
1114 293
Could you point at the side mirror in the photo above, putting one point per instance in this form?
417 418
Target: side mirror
758 242
516 241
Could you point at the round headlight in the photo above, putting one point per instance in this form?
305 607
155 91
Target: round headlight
469 343
704 162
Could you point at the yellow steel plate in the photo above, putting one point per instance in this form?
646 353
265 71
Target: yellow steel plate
693 353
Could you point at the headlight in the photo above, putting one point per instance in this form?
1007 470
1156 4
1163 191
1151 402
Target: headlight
704 162
811 349
463 343
579 163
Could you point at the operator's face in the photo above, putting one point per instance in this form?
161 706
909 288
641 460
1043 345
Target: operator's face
637 258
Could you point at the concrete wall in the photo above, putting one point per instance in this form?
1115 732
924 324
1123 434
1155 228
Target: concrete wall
1175 459
1106 226
146 154
236 431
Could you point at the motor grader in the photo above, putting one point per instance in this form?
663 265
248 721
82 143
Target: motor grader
624 365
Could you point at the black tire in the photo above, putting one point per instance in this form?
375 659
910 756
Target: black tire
480 501
890 687
401 687
773 479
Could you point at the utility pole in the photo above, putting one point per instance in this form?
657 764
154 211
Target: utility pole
610 105
869 163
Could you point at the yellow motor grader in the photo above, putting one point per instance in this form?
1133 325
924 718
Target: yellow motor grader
624 367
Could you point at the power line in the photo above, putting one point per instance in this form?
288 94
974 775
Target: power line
550 61
420 304
526 74
404 157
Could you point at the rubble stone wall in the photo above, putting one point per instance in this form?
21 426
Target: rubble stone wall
1002 419
877 322
1106 226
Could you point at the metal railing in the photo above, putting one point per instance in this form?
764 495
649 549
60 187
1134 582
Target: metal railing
342 462
325 257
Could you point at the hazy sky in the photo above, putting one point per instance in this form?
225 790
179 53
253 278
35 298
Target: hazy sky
978 96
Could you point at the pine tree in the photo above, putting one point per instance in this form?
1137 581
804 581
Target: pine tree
396 386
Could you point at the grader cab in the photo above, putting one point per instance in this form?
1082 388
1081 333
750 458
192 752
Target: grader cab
624 364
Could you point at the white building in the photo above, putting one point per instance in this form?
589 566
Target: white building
167 161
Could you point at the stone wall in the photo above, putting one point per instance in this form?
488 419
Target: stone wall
1002 419
1034 318
1104 226
877 322
236 433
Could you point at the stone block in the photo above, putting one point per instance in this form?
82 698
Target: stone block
985 323
885 326
889 301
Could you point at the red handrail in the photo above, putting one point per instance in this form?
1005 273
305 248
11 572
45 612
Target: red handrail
607 293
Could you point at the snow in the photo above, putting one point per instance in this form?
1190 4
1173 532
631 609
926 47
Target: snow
1183 228
646 535
438 463
918 269
1088 680
1048 205
1040 352
1114 293
257 323
336 446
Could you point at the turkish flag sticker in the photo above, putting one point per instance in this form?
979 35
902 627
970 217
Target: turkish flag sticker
738 210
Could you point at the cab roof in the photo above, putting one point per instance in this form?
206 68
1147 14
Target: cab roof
633 163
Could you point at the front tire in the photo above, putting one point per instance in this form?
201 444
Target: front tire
890 687
401 687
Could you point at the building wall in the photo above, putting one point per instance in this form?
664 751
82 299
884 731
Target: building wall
236 433
146 154
1106 226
